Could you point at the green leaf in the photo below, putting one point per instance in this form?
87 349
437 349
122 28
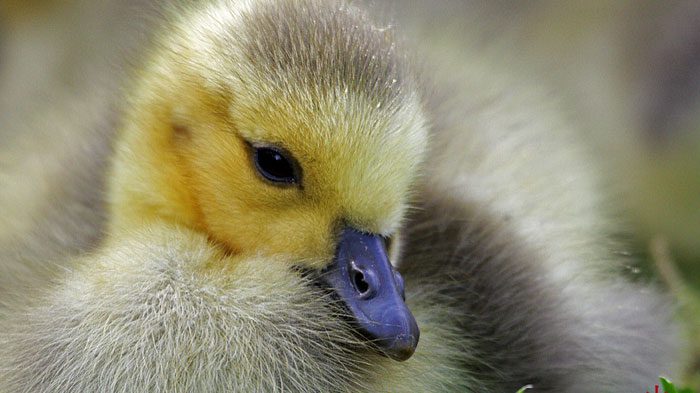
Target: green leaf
524 388
667 385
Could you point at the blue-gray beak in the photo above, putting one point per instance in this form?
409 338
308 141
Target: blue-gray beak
373 292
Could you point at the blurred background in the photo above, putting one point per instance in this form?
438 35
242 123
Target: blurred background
627 71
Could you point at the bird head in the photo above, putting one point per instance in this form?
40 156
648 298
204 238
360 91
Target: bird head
291 130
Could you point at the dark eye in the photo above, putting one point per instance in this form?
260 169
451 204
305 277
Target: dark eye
275 165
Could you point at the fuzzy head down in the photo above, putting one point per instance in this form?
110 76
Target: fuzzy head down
315 78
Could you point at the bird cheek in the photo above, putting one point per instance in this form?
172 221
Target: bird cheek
304 235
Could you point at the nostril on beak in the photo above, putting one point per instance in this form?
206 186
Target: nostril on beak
364 281
358 278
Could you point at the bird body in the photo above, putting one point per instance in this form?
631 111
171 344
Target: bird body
210 273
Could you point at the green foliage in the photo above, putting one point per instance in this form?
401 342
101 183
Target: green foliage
668 387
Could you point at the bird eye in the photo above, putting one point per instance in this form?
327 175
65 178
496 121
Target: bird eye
275 165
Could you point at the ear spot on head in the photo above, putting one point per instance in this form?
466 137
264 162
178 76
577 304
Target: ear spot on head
180 132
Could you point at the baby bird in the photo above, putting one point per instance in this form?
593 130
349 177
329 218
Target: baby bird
260 178
291 146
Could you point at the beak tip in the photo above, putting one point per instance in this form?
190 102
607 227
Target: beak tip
402 348
400 344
